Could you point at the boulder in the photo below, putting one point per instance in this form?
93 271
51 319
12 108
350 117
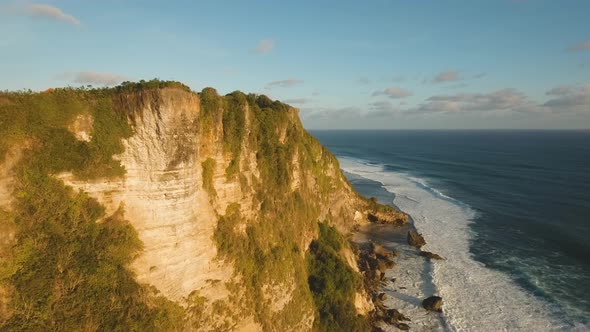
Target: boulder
383 265
430 255
381 252
391 217
415 239
374 275
433 303
402 326
372 263
393 316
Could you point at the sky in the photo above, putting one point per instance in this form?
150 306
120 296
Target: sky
374 64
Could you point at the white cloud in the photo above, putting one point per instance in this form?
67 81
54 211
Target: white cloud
393 92
265 46
560 90
382 109
91 77
330 113
379 109
447 76
51 12
288 83
569 99
501 100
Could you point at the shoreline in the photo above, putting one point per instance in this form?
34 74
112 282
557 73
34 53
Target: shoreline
410 281
475 297
406 284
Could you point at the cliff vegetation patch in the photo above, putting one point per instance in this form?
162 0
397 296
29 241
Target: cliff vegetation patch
67 267
333 284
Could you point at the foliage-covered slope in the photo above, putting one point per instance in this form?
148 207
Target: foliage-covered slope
71 258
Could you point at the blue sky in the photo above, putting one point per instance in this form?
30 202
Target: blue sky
370 64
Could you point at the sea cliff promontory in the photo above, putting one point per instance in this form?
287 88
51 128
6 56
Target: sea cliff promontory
148 206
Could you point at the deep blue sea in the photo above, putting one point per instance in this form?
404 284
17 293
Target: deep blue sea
525 197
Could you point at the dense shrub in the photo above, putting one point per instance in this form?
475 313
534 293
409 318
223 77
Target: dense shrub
333 284
234 127
77 267
208 170
151 84
66 270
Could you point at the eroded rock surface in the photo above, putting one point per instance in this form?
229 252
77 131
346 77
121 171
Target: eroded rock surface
415 239
433 303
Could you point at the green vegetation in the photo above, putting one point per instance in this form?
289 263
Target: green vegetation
234 127
41 119
151 84
333 284
211 107
268 251
72 259
67 271
208 169
231 108
273 157
375 206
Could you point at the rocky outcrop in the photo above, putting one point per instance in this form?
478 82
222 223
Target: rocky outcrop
224 192
374 262
433 303
391 317
402 326
176 216
163 198
7 179
430 255
392 217
415 239
82 127
381 252
374 265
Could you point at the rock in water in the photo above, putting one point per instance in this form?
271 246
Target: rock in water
433 303
415 239
402 326
381 252
383 265
393 316
430 255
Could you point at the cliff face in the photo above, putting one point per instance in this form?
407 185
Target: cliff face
225 194
163 197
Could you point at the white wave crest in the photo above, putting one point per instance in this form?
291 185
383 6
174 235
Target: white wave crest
475 298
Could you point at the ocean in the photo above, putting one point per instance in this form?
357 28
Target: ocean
510 210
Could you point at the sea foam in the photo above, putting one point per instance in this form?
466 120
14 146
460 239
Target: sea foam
475 298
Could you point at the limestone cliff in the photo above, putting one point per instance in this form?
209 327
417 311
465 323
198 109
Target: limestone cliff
225 194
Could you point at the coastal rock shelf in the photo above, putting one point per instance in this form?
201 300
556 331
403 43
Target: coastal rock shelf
402 287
